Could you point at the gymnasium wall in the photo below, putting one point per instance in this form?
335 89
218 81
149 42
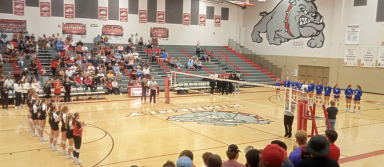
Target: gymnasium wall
179 34
337 15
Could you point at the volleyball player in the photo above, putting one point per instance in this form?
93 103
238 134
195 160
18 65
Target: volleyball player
31 96
42 117
304 87
77 133
327 93
287 83
299 88
63 116
336 93
35 117
278 88
57 91
356 100
144 85
69 135
319 92
55 119
294 88
311 88
348 97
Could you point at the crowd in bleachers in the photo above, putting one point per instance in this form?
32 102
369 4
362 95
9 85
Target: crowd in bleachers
319 151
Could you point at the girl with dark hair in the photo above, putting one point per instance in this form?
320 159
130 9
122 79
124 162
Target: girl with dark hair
299 88
54 121
34 116
53 67
327 93
69 134
63 116
18 90
348 97
42 113
311 88
4 96
356 100
57 90
47 90
336 93
319 92
77 133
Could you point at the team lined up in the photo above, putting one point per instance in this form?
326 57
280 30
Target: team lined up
302 89
71 128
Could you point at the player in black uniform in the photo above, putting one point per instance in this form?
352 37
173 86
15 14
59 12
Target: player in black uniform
42 113
63 116
69 134
34 115
54 120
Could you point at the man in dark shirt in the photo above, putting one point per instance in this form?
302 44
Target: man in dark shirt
67 90
332 112
144 86
318 147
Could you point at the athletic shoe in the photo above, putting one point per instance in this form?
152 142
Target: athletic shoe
78 162
42 139
50 145
15 108
74 159
358 112
353 111
35 135
55 148
69 157
346 110
63 153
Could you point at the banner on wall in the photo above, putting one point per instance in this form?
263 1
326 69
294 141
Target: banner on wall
202 20
380 58
123 14
13 26
350 56
103 13
160 17
368 57
217 20
18 6
142 16
69 11
45 9
159 33
186 19
353 34
113 31
74 29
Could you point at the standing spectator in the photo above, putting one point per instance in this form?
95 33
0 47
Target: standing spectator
4 96
198 49
272 156
3 37
47 90
115 86
331 136
67 90
233 155
144 86
79 82
97 40
318 148
289 115
332 112
301 140
53 67
88 82
152 84
253 158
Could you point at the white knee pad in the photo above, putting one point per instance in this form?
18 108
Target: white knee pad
70 147
358 105
55 139
77 150
51 136
63 142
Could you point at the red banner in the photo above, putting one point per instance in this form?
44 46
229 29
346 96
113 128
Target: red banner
18 6
142 16
186 19
217 20
45 9
160 17
202 20
166 90
103 13
69 11
123 14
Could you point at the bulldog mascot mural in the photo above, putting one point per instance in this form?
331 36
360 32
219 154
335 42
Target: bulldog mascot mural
291 19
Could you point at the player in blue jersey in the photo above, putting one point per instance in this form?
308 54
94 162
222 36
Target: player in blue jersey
294 88
356 100
299 86
336 94
287 83
327 93
311 88
278 88
348 97
319 92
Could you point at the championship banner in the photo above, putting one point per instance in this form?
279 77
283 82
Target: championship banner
202 20
142 16
380 58
160 33
45 9
69 11
166 91
123 14
160 17
13 26
186 19
103 13
368 57
217 20
18 6
74 29
350 56
353 34
113 31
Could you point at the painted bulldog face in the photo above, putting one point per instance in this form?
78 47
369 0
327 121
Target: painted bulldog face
309 20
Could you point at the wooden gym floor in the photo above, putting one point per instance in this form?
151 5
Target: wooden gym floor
123 132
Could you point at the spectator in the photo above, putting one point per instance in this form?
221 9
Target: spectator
3 37
109 67
169 164
110 75
9 83
109 87
2 79
97 40
177 63
101 78
59 46
61 74
21 48
69 73
130 83
120 49
198 64
116 70
215 161
253 158
190 65
184 162
10 46
67 90
84 50
1 59
115 86
206 157
233 155
272 156
4 96
318 148
289 115
332 112
35 85
331 136
91 68
134 73
106 41
139 73
107 50
146 72
20 61
118 58
287 163
136 55
88 82
301 140
206 57
47 90
7 55
78 43
198 49
79 82
126 64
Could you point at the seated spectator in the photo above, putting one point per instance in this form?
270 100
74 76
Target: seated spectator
9 83
69 63
110 75
318 148
3 37
125 56
7 55
198 65
109 67
61 74
21 48
161 58
86 72
139 73
190 65
184 162
272 156
84 50
101 78
88 82
134 73
301 140
215 161
233 155
59 46
118 58
115 86
205 157
116 70
126 64
136 56
79 50
206 57
153 56
169 164
177 63
107 50
79 69
20 61
148 44
79 82
130 83
69 73
106 41
78 43
331 136
33 70
120 49
253 158
91 68
130 55
286 162
146 72
10 46
109 87
148 64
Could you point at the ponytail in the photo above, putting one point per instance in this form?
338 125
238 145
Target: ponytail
335 86
62 111
359 87
74 118
50 107
69 116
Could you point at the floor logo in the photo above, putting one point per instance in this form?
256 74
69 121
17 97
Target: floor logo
222 118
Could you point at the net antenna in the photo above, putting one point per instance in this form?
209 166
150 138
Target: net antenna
241 3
